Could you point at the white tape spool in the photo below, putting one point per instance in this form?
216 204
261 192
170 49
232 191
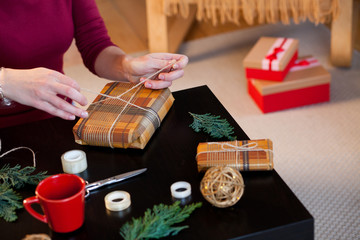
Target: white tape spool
112 205
74 161
177 189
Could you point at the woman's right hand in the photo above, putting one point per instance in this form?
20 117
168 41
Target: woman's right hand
40 88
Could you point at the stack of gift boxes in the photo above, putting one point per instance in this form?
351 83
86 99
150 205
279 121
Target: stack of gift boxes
278 79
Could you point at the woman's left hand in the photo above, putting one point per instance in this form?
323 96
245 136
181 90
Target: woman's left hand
142 68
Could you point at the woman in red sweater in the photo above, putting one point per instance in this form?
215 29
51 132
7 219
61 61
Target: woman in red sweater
35 34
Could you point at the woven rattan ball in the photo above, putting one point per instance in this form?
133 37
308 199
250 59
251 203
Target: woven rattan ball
222 186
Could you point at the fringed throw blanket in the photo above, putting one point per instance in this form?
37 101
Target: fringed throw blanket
122 117
256 11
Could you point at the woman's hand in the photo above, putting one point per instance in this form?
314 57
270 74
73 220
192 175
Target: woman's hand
112 63
141 68
40 88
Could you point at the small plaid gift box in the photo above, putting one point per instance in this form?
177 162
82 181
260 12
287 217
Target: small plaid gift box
245 155
306 83
123 116
271 58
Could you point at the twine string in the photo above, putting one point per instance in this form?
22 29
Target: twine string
117 118
128 102
220 151
18 148
253 146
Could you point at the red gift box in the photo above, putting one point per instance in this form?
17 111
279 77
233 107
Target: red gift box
271 58
306 83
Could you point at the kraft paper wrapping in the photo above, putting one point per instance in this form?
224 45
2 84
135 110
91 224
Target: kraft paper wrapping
264 47
245 155
126 123
312 73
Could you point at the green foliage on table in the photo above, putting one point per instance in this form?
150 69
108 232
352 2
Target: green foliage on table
213 125
158 222
9 202
15 177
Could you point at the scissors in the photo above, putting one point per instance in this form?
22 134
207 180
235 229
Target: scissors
118 178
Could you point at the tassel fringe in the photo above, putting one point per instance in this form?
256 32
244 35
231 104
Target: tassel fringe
256 11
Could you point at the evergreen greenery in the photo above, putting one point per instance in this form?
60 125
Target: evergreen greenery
213 125
15 177
9 202
158 222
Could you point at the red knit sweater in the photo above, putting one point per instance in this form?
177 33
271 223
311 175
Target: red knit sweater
37 33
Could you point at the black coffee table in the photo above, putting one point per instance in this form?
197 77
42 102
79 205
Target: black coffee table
267 210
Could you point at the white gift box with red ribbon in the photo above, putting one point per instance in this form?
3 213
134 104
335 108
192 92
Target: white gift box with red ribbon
271 58
306 83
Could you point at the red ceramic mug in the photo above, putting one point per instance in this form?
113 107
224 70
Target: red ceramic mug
62 199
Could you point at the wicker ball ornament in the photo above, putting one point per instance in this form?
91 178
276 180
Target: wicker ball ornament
222 186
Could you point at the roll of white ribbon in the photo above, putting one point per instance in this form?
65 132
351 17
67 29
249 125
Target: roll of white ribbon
74 161
117 200
180 189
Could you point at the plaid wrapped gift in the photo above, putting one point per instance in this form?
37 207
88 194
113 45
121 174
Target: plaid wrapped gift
128 121
245 155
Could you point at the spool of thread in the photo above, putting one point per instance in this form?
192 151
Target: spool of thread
74 161
180 189
117 200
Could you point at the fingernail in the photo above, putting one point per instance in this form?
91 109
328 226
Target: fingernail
84 114
161 76
148 85
175 66
71 117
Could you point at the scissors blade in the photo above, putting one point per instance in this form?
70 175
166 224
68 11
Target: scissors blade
114 179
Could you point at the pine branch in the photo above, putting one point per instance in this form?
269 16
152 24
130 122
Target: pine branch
158 222
9 202
212 125
17 177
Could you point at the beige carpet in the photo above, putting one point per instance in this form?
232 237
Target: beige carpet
317 147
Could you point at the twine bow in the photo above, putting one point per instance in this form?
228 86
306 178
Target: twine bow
253 146
235 155
245 147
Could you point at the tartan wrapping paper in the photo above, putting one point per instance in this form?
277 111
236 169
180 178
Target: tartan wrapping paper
117 123
245 155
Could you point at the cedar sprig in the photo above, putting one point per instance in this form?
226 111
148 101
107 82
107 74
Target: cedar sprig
213 125
158 222
17 177
9 202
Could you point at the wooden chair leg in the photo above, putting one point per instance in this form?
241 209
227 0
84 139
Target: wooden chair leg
165 34
342 36
157 26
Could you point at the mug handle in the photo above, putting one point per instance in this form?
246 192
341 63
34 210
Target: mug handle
27 204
